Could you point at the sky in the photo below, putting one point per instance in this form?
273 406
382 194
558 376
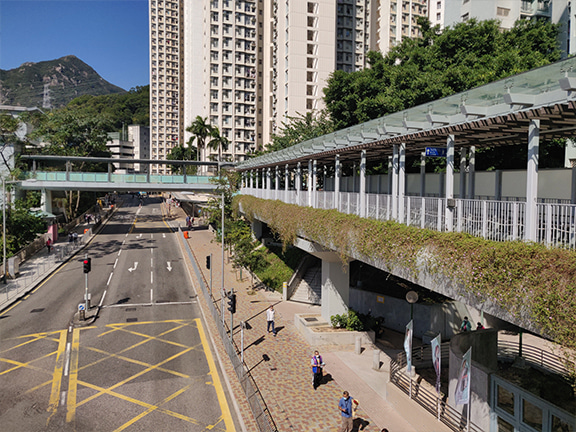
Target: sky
111 36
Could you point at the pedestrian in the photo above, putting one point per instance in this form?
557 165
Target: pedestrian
345 407
70 238
188 221
317 365
75 237
465 326
479 326
49 244
270 313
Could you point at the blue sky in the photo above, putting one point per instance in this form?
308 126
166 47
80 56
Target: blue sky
109 35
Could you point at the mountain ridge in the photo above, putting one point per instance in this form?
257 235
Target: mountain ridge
52 83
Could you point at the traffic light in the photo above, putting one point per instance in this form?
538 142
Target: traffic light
232 303
87 265
208 262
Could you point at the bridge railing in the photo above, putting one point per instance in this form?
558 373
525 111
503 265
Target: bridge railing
489 219
100 177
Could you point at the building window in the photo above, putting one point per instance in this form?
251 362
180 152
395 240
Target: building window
500 11
439 5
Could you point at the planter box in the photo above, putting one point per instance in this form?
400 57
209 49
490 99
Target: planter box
311 327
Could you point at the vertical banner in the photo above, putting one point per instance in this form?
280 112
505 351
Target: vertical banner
437 358
462 394
408 346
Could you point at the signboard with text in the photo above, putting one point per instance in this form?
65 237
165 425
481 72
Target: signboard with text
436 151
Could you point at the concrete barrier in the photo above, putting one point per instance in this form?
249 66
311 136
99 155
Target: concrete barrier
319 332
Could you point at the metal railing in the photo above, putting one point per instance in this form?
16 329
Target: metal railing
489 219
436 404
536 357
258 406
428 399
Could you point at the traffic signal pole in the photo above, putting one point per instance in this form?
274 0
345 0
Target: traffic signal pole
86 298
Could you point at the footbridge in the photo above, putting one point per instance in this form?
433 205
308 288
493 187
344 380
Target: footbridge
68 179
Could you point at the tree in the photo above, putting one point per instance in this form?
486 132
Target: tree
218 142
201 130
301 128
439 64
69 132
182 153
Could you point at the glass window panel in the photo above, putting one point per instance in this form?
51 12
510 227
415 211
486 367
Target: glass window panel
504 426
531 415
506 400
559 425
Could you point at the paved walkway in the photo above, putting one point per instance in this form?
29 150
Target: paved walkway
285 380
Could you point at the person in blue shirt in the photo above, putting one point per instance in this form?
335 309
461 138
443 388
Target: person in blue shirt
345 407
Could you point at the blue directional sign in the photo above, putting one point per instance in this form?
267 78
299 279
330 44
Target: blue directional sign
81 306
436 151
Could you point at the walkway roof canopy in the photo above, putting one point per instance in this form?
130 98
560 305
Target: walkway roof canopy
490 115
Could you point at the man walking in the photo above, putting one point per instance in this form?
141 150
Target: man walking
270 313
317 365
345 407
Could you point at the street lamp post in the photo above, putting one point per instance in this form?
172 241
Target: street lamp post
4 230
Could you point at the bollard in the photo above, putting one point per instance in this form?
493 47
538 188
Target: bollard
358 349
376 359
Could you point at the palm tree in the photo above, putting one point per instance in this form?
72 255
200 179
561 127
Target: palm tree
201 129
218 141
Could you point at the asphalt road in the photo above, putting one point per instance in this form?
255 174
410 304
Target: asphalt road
145 364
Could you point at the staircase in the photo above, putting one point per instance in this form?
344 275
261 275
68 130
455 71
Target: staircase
309 289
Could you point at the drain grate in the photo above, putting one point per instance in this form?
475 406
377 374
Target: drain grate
131 319
37 310
310 319
130 309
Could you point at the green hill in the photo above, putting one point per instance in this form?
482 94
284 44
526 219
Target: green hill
63 80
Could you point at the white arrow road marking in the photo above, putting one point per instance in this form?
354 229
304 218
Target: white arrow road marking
163 235
139 235
169 266
135 267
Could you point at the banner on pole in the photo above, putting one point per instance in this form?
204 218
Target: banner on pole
408 346
462 394
437 358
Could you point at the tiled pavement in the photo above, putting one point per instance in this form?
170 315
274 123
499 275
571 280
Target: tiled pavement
285 380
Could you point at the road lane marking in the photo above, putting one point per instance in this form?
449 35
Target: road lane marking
57 376
73 381
131 269
226 415
119 252
109 279
151 295
67 364
116 263
151 277
102 299
149 304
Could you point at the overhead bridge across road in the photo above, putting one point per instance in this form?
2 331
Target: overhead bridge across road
106 181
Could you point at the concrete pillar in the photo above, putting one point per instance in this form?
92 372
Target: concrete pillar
252 179
449 182
314 183
337 177
423 174
573 195
363 183
394 182
310 181
498 185
401 181
532 181
335 288
463 153
298 182
269 183
257 229
286 182
46 201
277 184
472 173
390 175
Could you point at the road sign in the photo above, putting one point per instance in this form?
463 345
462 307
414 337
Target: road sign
81 306
436 151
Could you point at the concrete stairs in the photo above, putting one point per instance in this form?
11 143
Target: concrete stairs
309 289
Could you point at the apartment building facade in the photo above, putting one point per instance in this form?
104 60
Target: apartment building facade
247 66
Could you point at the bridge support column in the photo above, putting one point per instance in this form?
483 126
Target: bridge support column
472 173
532 181
298 182
449 221
257 229
314 183
310 183
423 174
394 192
286 182
268 183
337 177
363 183
335 287
463 153
46 201
401 182
277 184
